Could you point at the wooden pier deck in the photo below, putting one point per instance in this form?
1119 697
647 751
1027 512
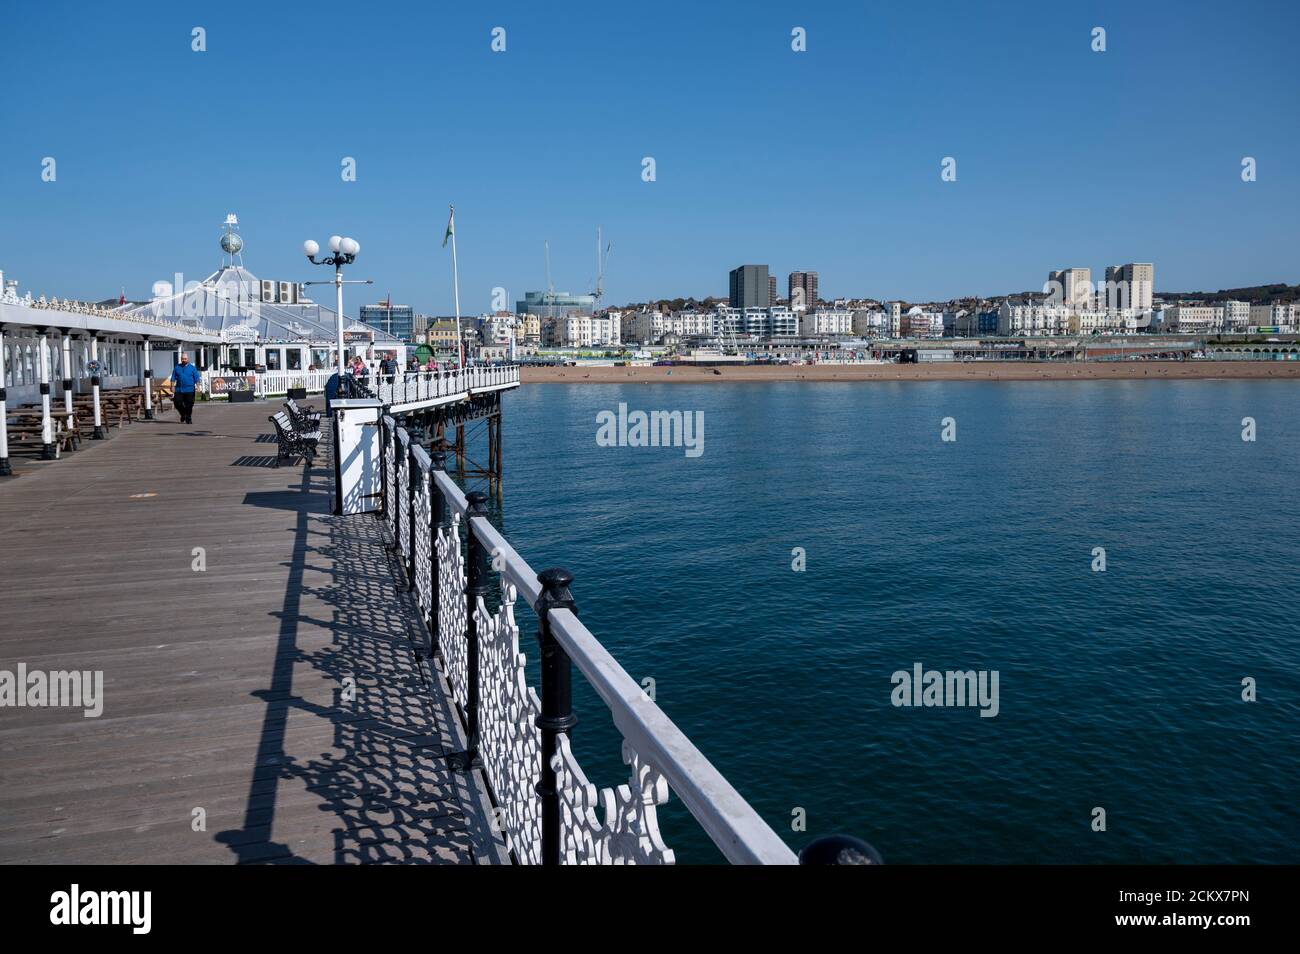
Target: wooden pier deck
225 689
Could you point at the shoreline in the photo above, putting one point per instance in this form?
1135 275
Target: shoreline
946 371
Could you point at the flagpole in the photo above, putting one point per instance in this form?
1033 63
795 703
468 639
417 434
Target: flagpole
455 282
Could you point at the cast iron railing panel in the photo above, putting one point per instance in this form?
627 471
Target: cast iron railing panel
614 825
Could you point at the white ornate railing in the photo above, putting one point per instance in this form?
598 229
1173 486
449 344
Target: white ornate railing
549 811
416 387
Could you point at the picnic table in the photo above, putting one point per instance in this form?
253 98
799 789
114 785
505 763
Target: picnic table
112 404
28 427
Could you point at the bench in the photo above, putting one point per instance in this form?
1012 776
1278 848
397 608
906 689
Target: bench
65 438
291 442
304 418
113 412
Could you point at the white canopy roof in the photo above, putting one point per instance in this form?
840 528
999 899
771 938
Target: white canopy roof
228 303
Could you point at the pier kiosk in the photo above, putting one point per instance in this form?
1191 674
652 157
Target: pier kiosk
358 457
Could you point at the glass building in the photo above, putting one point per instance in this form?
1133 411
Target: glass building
396 320
555 304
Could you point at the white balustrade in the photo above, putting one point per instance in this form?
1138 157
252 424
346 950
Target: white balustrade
612 825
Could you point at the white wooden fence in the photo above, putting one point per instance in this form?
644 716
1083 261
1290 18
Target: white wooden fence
272 383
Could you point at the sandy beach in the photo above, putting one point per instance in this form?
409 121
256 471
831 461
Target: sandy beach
969 371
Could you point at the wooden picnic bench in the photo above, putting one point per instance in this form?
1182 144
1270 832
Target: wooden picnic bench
28 432
110 408
31 415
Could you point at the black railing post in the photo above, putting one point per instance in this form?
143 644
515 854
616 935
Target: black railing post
438 521
476 588
839 850
412 469
385 504
397 483
557 702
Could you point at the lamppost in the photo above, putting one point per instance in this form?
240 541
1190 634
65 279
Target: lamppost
345 253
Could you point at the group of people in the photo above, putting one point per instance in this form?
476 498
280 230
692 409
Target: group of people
388 365
357 370
186 378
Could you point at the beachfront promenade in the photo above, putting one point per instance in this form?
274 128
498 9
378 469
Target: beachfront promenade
264 699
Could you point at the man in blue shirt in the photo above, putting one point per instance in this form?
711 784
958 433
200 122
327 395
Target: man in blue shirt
187 378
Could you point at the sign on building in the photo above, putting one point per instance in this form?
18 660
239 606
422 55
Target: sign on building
225 384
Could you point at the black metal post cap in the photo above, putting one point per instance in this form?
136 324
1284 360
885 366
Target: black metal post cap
555 580
477 501
439 458
839 850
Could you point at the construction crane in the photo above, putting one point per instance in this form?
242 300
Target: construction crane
550 287
602 259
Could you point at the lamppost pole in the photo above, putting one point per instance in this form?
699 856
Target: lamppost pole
338 310
345 251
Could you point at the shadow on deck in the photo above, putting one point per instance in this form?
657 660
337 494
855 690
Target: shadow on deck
385 779
319 738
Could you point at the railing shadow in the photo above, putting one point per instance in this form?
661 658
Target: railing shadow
383 781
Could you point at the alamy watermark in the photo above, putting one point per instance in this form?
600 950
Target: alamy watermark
651 429
58 688
922 687
76 907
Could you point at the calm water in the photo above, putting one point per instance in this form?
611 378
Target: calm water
1118 689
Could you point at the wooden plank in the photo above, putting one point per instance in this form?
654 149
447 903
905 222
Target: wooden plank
279 689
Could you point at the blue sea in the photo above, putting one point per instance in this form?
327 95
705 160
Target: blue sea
1120 690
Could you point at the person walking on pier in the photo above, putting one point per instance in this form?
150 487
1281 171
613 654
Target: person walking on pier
186 378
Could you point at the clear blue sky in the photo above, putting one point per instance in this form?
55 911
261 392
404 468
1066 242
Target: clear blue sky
827 159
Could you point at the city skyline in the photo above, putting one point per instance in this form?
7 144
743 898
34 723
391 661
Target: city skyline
150 168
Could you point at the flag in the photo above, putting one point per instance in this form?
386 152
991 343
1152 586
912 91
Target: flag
122 298
451 226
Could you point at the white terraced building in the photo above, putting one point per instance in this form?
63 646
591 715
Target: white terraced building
916 322
1090 321
1194 319
586 331
1236 316
1020 318
868 323
650 327
825 322
1284 316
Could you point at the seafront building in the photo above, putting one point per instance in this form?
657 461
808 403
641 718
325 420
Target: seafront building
870 323
1282 316
548 304
749 287
917 322
395 320
586 331
1193 319
803 290
441 335
1129 286
825 322
1071 306
1026 318
1071 287
1236 316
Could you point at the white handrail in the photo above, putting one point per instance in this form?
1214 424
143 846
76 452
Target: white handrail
731 823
